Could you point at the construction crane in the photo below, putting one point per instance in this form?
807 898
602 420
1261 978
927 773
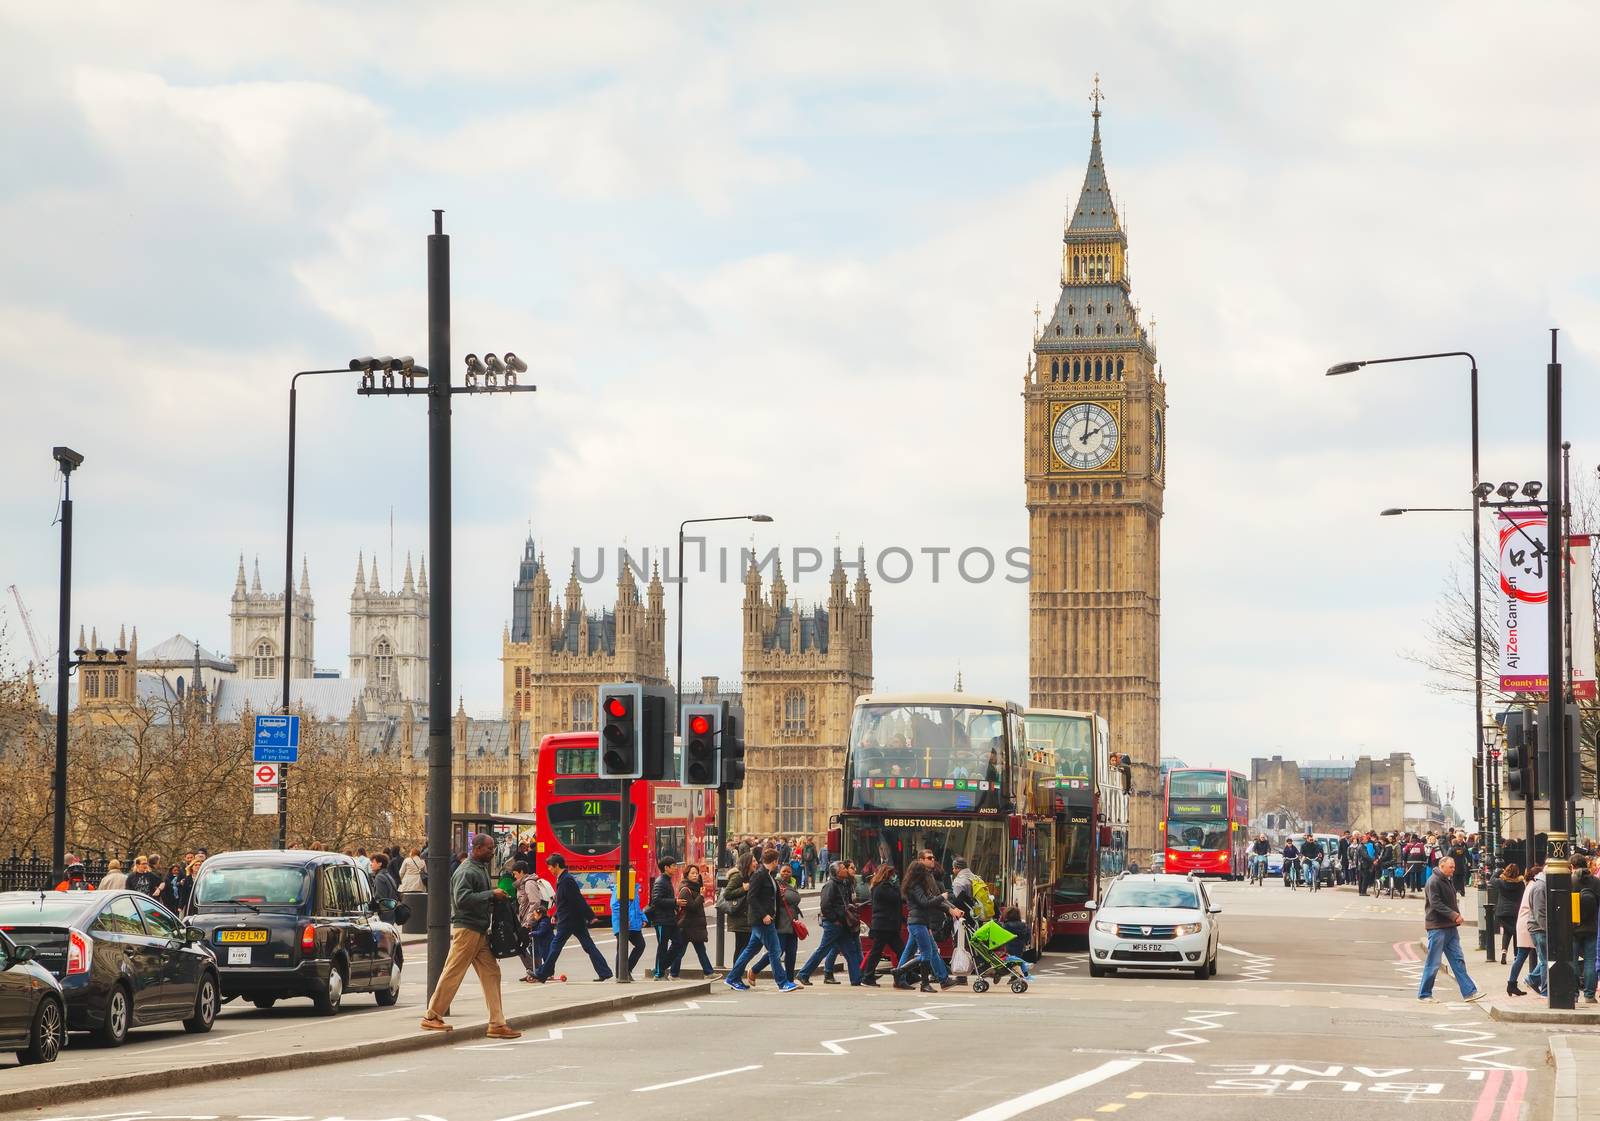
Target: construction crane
40 655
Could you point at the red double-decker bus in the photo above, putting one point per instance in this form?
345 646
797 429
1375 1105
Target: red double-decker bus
1205 823
579 814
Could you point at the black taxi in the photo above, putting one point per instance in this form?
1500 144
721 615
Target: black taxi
295 924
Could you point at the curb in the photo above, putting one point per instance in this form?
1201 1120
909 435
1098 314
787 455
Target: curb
1575 1018
415 1039
1564 1100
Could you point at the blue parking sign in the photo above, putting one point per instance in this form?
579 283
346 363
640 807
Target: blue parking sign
277 739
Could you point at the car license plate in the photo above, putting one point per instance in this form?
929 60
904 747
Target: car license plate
1148 947
238 955
241 936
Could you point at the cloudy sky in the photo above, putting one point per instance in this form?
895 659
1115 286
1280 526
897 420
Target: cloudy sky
812 241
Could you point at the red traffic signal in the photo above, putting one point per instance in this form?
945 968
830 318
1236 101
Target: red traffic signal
699 725
617 707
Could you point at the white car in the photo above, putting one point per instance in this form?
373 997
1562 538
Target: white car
1154 922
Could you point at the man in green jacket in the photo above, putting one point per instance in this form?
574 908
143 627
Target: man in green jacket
472 897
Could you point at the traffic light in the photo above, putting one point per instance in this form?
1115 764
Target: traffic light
1571 740
732 754
701 726
621 731
1522 746
657 734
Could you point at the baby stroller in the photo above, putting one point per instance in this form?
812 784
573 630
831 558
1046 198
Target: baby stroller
990 964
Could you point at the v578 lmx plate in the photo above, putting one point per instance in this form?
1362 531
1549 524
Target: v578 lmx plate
241 936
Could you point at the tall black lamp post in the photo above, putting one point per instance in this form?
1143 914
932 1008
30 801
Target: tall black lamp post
68 660
722 795
1487 916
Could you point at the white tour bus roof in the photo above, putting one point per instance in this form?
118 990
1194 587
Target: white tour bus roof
1059 712
965 700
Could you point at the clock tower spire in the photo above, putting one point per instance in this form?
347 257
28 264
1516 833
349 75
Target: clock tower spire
1095 478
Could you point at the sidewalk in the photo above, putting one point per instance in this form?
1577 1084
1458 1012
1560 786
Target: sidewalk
1575 1097
291 1036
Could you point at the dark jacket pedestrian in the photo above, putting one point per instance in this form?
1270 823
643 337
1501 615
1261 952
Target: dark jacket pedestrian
887 905
735 890
924 907
761 899
692 907
572 921
471 892
1441 905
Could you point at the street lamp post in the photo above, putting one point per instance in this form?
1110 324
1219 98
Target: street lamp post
288 573
1486 925
1558 869
722 794
68 660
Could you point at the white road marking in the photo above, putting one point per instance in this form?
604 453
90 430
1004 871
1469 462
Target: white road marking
552 1034
686 1081
1241 953
1484 1056
879 1030
1053 1092
543 1112
1189 1038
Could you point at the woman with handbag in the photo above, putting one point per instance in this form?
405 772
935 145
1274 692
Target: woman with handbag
692 922
791 928
732 900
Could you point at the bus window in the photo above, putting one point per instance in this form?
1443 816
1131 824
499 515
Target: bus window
577 760
670 841
932 758
590 826
1197 784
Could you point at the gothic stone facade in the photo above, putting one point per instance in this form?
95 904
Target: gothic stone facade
555 656
803 671
1095 474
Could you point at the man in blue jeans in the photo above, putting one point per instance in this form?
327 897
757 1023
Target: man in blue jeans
1442 917
839 935
762 901
1538 897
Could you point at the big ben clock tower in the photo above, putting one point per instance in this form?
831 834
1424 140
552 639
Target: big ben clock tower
1095 471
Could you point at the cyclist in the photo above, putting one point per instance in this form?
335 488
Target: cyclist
1311 861
1258 858
1291 858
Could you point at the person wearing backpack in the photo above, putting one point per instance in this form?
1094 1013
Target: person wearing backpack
664 917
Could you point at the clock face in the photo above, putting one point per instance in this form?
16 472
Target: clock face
1158 443
1086 436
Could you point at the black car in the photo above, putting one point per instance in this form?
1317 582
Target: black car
33 1015
288 924
123 960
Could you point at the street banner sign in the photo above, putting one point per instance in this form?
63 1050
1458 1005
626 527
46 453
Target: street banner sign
1581 588
277 739
1524 592
264 775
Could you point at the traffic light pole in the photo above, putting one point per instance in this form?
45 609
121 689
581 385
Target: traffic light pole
1558 870
624 899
